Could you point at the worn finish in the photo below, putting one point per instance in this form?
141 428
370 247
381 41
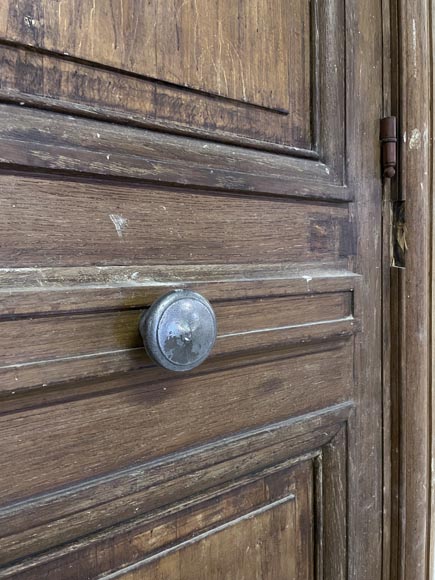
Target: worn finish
214 147
365 432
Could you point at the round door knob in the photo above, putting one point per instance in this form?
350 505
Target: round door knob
179 330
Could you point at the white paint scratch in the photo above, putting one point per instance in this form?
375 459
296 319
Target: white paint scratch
414 45
307 280
119 222
415 139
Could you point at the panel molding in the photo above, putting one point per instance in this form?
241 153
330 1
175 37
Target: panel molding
54 143
49 291
98 322
137 92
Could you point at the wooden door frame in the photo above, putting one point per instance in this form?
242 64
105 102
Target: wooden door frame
409 399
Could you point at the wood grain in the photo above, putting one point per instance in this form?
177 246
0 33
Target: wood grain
411 290
43 351
46 339
270 532
363 170
84 223
44 291
210 517
73 86
164 414
52 141
208 47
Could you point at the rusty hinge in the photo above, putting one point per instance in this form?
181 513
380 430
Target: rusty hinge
388 137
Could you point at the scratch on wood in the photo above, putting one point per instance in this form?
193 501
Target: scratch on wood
119 222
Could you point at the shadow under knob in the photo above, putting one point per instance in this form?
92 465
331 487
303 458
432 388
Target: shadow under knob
179 330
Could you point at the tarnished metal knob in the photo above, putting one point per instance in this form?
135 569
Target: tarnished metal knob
179 330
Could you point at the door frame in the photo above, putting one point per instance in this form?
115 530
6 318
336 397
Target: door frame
409 399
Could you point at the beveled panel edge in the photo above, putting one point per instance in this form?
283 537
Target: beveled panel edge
168 478
136 120
51 142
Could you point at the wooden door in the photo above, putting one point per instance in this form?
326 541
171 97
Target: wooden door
226 147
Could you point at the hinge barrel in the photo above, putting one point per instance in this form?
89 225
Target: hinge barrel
388 138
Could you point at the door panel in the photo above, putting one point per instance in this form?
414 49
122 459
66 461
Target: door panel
207 47
271 517
252 72
217 146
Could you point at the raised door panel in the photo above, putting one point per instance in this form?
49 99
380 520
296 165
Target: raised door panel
255 72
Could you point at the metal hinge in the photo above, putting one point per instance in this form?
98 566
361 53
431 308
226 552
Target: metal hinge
388 138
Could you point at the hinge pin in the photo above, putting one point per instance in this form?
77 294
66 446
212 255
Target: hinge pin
388 137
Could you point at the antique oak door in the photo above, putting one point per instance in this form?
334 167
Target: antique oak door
229 148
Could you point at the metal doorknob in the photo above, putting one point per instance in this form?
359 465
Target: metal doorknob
179 330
